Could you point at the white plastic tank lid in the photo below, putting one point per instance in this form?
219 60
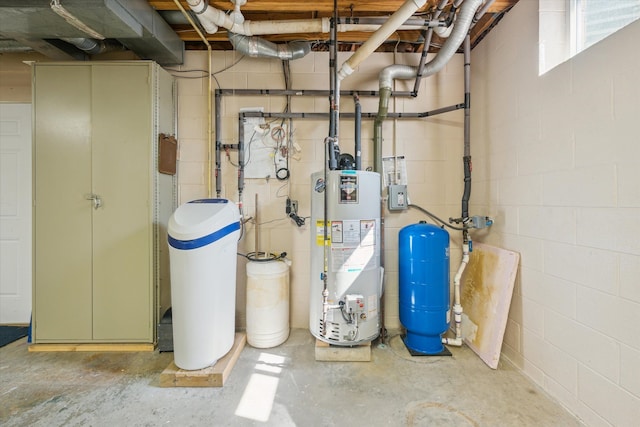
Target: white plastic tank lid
203 217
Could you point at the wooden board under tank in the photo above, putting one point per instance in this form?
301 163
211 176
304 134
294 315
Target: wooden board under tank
212 376
486 290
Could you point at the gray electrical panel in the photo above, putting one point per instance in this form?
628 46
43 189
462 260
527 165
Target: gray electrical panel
398 197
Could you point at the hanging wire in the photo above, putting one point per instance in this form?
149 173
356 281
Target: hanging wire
435 218
226 151
263 256
204 72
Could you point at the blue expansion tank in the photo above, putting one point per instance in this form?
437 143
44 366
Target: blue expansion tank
424 286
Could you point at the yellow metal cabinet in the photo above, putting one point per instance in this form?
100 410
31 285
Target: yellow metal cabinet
100 206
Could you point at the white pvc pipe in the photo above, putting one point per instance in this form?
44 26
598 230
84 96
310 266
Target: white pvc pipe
207 16
212 18
457 307
377 38
256 28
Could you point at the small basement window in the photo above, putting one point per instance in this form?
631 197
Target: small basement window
567 27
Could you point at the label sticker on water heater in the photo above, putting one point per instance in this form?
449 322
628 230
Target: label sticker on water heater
336 231
348 189
372 306
351 232
320 233
368 232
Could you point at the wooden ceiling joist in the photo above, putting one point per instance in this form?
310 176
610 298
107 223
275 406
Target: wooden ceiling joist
270 10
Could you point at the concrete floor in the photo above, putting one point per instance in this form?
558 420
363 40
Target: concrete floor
282 386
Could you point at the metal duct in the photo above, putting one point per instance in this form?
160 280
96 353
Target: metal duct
94 47
132 22
10 46
257 47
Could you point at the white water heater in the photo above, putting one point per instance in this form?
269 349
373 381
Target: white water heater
345 305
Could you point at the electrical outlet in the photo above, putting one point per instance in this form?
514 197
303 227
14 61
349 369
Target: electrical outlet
292 206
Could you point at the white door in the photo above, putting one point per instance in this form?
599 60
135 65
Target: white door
15 213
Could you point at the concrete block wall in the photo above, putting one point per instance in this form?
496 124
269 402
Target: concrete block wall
432 147
556 161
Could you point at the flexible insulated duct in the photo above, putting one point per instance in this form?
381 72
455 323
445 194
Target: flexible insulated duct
459 32
257 47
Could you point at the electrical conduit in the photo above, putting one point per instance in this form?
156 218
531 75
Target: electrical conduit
425 50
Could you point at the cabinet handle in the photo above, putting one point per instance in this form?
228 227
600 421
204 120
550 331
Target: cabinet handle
97 201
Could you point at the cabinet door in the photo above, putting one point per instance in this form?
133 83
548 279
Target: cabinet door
62 215
122 226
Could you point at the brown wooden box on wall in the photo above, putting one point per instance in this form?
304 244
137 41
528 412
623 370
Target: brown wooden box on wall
168 154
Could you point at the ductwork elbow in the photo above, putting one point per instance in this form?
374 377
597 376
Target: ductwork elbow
257 47
459 32
392 72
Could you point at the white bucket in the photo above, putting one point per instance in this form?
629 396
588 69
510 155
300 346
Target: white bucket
267 303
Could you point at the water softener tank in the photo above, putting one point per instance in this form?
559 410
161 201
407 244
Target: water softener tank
424 286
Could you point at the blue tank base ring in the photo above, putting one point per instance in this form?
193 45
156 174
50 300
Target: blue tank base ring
425 345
